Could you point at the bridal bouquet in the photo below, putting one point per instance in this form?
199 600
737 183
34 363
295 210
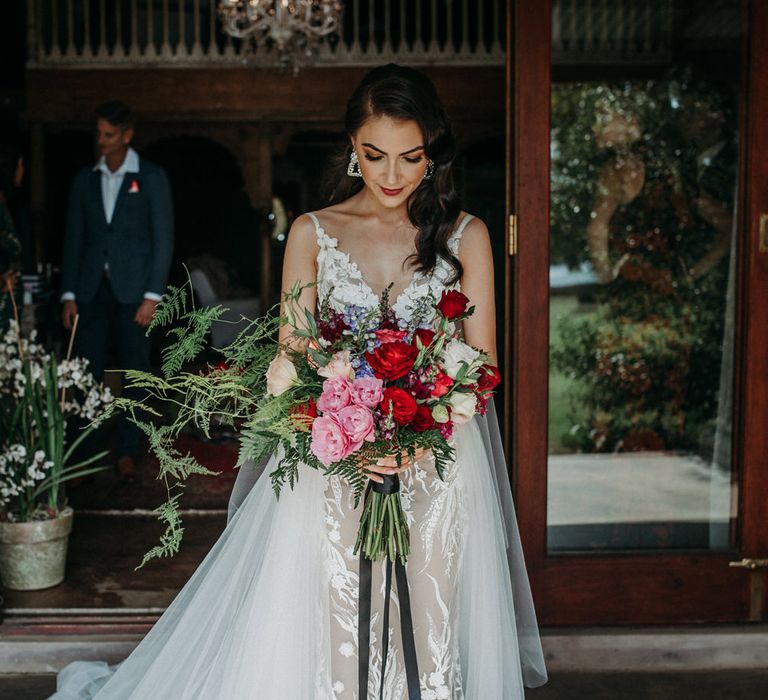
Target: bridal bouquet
371 385
349 388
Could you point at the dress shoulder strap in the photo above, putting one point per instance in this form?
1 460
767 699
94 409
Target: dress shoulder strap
467 218
318 228
322 236
453 241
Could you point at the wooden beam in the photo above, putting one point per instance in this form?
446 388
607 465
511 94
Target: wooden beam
242 94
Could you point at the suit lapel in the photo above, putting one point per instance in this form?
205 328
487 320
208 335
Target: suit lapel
128 178
97 198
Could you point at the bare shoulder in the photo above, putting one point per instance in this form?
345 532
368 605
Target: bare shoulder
303 231
301 246
475 230
475 239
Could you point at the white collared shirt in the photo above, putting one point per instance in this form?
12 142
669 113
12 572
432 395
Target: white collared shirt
111 182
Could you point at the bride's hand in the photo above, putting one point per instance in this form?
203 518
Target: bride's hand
388 465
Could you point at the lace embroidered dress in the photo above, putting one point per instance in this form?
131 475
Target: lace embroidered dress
271 613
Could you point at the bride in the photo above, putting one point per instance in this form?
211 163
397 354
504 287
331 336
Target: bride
272 611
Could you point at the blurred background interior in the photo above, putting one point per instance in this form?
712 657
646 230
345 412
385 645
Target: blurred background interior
645 258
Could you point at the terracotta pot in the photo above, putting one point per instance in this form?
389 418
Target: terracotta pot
33 554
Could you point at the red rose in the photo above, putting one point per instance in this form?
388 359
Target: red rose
452 304
308 408
403 405
425 335
392 360
423 419
303 414
489 378
442 384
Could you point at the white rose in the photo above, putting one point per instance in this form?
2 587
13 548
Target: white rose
339 366
463 407
457 352
281 374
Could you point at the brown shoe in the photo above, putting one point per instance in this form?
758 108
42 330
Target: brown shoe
127 471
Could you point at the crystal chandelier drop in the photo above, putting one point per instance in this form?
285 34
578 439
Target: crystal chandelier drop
291 30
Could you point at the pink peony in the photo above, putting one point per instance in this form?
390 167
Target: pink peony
357 423
329 441
367 391
336 395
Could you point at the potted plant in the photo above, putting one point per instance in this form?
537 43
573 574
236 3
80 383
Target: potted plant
37 397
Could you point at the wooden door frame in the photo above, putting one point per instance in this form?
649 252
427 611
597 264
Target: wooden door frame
632 588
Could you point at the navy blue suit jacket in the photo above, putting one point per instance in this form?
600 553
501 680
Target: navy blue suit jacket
137 243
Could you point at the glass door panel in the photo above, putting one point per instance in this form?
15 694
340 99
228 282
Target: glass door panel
642 276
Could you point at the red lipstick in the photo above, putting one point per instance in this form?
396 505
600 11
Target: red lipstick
391 193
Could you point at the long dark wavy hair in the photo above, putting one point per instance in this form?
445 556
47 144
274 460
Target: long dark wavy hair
404 93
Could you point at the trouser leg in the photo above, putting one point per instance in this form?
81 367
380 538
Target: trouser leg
91 342
133 352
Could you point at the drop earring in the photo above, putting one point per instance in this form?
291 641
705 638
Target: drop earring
353 169
430 171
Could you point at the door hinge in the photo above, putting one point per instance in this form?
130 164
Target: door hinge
763 233
512 235
757 585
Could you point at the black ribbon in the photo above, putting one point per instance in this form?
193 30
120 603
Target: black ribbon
391 485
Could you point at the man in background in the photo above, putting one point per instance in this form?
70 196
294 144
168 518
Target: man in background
117 252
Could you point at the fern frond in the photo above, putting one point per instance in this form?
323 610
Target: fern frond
172 306
170 540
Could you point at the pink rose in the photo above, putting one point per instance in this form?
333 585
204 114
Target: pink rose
336 395
339 366
387 335
329 441
357 423
367 391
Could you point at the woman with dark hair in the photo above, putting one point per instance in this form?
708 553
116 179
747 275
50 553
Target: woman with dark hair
273 611
11 175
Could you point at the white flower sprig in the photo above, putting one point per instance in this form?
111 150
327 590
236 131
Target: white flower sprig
89 398
18 472
37 397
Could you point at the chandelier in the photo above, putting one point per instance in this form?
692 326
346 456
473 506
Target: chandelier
291 30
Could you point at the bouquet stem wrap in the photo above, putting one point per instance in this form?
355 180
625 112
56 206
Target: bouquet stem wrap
383 531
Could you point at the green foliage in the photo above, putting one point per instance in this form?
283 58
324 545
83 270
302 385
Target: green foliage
170 514
190 338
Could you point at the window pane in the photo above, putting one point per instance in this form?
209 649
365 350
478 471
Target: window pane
642 277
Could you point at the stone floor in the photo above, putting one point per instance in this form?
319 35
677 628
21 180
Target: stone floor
566 686
106 547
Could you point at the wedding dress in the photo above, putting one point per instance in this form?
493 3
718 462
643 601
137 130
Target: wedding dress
271 613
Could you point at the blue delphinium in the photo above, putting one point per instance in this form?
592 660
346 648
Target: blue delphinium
361 367
362 323
358 318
